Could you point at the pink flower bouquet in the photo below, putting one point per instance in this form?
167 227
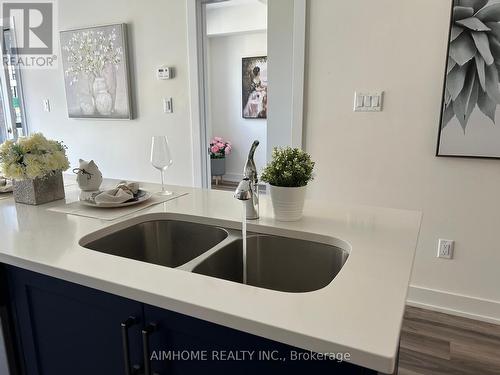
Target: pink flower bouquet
219 148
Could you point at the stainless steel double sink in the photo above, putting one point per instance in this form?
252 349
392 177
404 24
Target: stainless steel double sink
273 262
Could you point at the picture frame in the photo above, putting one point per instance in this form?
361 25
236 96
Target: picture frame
470 112
97 84
254 87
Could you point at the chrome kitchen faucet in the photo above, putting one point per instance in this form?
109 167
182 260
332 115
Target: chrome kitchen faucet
248 188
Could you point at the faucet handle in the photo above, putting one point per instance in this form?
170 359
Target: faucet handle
250 170
244 190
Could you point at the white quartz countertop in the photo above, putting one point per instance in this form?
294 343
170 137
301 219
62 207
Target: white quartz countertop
359 313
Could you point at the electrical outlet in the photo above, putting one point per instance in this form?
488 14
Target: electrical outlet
445 249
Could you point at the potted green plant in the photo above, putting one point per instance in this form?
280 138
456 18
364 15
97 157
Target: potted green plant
219 149
35 165
288 174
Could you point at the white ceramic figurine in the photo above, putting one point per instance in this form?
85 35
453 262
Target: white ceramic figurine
89 177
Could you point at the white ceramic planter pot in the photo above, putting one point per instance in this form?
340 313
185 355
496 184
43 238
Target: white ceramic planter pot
288 202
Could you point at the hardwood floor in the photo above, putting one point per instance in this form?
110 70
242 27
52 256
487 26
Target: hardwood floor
433 343
220 184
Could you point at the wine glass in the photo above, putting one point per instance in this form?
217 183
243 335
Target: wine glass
161 158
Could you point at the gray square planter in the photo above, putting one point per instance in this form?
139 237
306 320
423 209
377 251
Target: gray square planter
218 167
39 190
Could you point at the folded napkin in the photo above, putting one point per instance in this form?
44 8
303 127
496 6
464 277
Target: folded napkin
122 193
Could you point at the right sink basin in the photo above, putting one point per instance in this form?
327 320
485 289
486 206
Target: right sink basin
277 263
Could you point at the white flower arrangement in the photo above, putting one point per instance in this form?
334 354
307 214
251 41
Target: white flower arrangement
32 157
89 52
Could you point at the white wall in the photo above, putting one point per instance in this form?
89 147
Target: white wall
387 158
236 16
157 35
384 159
280 73
225 53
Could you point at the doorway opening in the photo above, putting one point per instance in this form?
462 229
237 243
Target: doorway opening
246 71
12 114
236 87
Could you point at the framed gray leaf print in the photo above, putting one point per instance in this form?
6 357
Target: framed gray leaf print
470 118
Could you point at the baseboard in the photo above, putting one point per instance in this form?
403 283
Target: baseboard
233 177
455 304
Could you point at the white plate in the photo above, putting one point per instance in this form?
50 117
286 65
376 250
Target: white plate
143 196
6 189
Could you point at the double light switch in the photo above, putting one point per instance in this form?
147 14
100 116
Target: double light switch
368 102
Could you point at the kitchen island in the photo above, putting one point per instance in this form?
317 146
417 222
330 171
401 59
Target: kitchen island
359 313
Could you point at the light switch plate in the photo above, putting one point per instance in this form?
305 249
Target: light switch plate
168 106
368 101
445 248
46 105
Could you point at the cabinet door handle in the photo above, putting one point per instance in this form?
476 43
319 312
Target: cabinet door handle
131 320
146 332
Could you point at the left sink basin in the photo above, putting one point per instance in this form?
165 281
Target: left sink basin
167 243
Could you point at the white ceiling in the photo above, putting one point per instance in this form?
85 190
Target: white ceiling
230 3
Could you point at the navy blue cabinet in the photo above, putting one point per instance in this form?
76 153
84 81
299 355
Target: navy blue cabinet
179 344
64 328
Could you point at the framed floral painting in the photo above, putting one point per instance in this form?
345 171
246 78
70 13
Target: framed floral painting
470 119
96 73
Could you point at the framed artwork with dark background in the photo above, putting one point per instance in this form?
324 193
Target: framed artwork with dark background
254 87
